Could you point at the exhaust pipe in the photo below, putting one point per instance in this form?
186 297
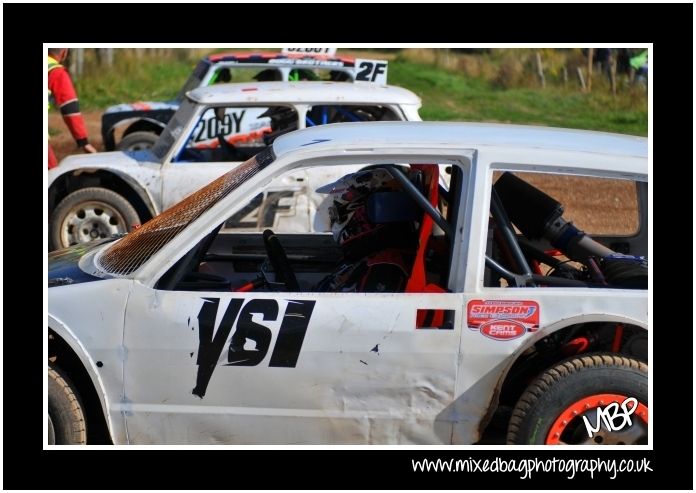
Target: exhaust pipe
539 216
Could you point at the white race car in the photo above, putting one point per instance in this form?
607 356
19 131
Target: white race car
137 125
214 129
181 332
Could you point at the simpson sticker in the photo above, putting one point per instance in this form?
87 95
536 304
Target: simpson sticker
503 330
212 342
524 312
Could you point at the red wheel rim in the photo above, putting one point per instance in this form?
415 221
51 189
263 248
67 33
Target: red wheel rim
578 408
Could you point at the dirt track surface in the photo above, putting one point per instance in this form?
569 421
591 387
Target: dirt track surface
61 140
583 198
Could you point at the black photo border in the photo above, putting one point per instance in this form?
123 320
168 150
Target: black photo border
136 468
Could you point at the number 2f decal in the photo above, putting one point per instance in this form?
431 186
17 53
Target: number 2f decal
212 342
371 71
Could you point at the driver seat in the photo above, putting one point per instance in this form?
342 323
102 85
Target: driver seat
417 282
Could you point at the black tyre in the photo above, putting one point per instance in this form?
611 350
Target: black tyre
88 214
137 141
66 418
552 408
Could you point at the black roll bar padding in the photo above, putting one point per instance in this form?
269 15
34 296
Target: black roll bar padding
180 270
516 280
505 227
443 193
537 254
422 201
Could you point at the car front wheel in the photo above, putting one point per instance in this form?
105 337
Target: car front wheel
137 141
89 214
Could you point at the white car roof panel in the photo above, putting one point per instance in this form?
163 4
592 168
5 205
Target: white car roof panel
302 92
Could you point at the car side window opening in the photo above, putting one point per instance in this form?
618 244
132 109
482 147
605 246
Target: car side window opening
534 239
194 80
283 119
319 74
223 75
228 134
237 133
377 238
324 114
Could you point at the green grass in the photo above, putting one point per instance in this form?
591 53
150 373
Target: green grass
129 82
446 95
449 96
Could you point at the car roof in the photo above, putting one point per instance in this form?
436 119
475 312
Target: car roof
462 135
302 91
265 57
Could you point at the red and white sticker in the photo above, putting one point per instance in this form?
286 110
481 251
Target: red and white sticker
503 330
510 318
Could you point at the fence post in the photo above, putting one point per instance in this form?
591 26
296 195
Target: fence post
79 61
590 55
612 73
73 62
540 70
582 79
564 70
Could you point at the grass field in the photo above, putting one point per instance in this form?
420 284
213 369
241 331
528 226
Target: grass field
449 96
447 93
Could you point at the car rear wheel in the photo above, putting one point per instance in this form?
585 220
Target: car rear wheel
89 214
66 419
137 141
565 404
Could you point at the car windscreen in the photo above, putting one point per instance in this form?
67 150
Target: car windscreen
131 252
194 79
173 129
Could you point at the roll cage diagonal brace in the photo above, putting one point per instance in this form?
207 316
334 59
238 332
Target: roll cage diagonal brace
527 277
505 227
420 199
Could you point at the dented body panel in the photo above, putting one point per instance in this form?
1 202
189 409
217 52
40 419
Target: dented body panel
89 317
359 377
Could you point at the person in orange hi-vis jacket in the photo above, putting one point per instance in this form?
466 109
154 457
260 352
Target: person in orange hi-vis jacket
62 93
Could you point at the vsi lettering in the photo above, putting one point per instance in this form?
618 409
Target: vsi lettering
610 414
212 342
